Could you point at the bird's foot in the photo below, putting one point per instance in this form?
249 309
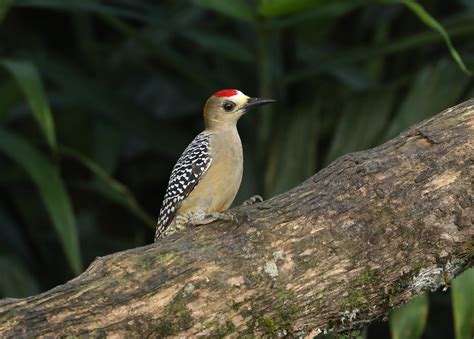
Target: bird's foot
181 222
252 200
200 218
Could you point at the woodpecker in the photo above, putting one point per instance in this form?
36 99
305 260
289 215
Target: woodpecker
207 176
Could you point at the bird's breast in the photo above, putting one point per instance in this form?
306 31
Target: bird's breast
220 184
227 166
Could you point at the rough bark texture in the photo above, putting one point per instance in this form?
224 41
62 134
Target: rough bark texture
364 235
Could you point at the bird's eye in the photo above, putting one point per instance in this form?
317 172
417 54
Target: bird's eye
228 106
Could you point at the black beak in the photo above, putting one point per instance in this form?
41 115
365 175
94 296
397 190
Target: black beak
252 102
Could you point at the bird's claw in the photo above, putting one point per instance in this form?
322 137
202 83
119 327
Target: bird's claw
202 218
252 200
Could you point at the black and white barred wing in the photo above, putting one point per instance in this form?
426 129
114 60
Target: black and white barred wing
188 171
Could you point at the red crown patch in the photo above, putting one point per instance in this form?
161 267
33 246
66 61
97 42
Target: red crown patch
226 93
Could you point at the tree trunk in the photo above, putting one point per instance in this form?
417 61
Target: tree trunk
364 235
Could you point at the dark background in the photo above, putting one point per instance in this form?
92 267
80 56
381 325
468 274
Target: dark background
125 81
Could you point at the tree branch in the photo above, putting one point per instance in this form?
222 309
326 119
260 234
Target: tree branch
364 235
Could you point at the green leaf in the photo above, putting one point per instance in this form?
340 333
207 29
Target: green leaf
12 239
83 6
11 96
292 158
431 22
236 9
27 76
460 26
408 322
362 121
282 7
119 191
321 14
52 191
102 100
462 292
4 6
220 44
15 280
434 88
468 3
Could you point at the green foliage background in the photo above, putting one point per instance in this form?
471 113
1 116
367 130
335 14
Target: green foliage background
99 98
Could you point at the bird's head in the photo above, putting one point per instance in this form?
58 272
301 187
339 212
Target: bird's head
224 108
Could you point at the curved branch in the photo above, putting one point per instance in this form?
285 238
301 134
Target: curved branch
364 235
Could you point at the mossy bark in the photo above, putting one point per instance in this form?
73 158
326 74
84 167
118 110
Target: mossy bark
364 235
